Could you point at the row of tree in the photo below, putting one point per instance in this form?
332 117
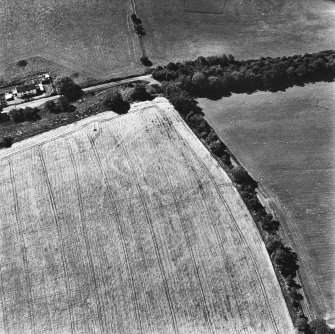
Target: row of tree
116 102
29 114
6 142
137 25
217 76
221 75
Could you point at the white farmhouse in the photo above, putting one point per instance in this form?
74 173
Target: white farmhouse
9 96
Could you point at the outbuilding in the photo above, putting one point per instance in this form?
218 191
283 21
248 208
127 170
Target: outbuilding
9 96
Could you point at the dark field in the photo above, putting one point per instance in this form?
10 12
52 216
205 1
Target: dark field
96 39
286 140
93 37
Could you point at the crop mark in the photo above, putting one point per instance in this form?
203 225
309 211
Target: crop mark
59 232
317 106
237 228
153 236
188 243
23 249
4 315
120 230
86 239
217 234
131 212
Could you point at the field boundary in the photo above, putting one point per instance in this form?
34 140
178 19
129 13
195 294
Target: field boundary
230 213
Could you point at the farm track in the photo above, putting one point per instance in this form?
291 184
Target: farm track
4 314
201 163
157 251
59 232
229 212
23 249
148 243
217 234
180 215
120 229
86 238
220 240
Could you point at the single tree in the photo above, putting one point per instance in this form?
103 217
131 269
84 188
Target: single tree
66 87
22 63
146 61
115 102
302 325
6 142
200 82
139 93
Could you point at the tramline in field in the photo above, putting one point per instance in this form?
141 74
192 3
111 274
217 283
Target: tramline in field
127 224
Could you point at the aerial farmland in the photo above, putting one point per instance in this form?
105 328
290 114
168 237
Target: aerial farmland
120 216
127 224
96 39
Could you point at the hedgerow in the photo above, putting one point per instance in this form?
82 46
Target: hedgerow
218 76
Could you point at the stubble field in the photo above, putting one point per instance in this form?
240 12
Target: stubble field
95 38
128 225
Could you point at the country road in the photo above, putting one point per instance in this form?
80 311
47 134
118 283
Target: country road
37 103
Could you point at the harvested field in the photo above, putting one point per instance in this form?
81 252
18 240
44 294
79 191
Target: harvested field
96 39
127 224
286 141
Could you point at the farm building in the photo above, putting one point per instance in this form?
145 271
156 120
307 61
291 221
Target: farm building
25 90
9 96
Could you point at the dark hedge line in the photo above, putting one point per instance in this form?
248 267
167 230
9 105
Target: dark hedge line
6 142
24 115
59 106
218 76
137 25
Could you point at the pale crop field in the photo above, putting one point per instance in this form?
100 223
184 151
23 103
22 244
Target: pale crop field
127 224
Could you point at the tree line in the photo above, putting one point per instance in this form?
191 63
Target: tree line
218 76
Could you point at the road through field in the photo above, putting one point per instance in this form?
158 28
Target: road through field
127 224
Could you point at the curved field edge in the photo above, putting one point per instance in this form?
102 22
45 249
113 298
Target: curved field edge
204 266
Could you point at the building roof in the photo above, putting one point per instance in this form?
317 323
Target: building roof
25 88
